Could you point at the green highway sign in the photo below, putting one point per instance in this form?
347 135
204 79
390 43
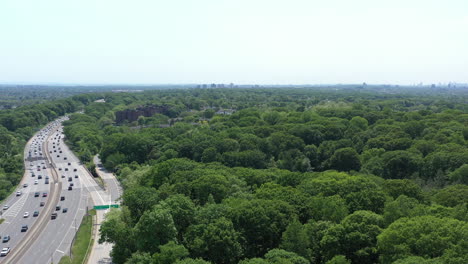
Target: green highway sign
101 207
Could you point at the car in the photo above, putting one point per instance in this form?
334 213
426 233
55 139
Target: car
36 182
74 169
5 207
36 213
69 163
57 208
63 176
44 167
36 194
42 204
60 169
44 194
76 175
62 198
39 177
70 188
26 215
71 184
61 152
24 228
65 210
6 238
46 181
5 251
50 151
53 216
70 179
46 177
66 169
65 158
18 193
58 156
25 185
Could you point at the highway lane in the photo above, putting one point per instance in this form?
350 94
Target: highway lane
113 187
27 202
58 235
48 240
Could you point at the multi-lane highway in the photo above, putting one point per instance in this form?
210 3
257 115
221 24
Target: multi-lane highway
51 168
26 211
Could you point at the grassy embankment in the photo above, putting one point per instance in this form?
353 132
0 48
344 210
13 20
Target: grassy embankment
83 241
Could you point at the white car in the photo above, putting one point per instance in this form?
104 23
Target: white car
18 193
5 207
36 181
5 251
26 215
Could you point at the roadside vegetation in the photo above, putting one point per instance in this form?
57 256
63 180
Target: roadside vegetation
284 175
18 125
83 241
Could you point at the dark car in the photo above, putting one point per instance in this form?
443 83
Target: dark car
36 213
53 216
62 198
39 177
44 194
69 163
71 184
36 194
42 204
65 158
74 169
63 176
70 179
66 169
57 208
70 188
24 228
65 210
46 182
6 238
76 175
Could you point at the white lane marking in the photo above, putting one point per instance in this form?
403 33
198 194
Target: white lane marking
16 207
60 251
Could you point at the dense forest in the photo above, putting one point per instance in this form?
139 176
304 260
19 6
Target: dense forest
284 175
316 175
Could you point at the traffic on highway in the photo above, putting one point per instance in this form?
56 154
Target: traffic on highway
42 216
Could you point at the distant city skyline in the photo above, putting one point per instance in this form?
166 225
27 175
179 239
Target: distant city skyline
264 42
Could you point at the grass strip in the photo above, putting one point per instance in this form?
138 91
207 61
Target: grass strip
82 241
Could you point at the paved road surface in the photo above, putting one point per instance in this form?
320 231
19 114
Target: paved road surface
48 240
100 253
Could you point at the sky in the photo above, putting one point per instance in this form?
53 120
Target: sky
239 41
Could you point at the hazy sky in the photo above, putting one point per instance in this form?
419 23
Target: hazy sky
240 41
